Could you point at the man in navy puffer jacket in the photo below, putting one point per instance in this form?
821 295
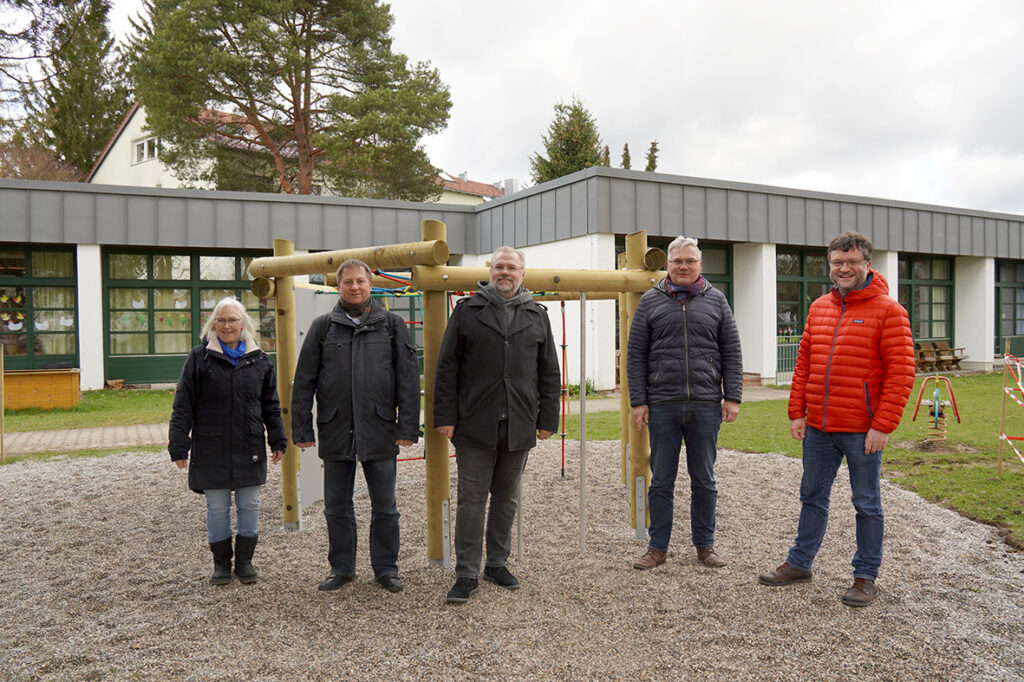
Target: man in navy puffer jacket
685 378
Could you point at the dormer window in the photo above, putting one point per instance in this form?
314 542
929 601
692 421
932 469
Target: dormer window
145 149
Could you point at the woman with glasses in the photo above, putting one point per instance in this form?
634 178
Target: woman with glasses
226 397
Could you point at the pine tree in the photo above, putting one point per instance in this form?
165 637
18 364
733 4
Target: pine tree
652 157
78 105
626 162
572 143
606 157
310 87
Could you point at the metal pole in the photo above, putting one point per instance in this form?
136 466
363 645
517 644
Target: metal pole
435 445
583 421
287 355
1002 418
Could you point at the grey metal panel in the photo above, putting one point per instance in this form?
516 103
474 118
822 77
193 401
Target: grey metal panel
964 235
522 223
111 219
483 231
717 218
978 232
694 212
831 222
738 225
46 220
283 224
79 213
880 227
14 215
814 219
142 221
1015 240
232 216
648 207
385 227
533 220
333 231
360 227
670 222
199 217
864 223
952 233
548 227
409 227
757 210
309 228
847 217
925 231
895 221
623 200
909 235
171 221
563 213
507 236
796 222
579 209
1002 237
778 225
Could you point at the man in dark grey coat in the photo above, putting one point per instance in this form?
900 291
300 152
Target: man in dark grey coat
496 391
684 359
360 363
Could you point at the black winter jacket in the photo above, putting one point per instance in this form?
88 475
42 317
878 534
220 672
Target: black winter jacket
360 375
482 370
219 414
685 352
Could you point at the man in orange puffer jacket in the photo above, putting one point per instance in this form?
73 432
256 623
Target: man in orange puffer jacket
853 375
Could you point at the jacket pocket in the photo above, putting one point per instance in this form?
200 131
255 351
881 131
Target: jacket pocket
867 401
386 413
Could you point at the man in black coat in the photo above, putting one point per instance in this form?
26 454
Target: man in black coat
496 391
685 372
360 363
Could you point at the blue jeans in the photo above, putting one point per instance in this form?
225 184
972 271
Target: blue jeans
340 512
670 425
218 512
823 453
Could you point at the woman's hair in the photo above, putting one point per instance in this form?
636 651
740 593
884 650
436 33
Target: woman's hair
249 328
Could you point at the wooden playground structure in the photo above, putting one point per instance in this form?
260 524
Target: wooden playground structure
274 276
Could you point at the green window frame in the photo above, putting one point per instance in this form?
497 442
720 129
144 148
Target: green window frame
926 292
38 306
1009 306
801 278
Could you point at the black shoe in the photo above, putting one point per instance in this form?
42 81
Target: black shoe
500 576
245 546
333 582
391 583
464 589
221 562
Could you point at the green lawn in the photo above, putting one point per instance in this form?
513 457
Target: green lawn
97 408
962 476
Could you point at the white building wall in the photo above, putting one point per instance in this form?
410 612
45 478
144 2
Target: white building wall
754 298
974 302
888 263
119 166
90 316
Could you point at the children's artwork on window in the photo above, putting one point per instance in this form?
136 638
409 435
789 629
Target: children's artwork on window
209 302
42 325
16 301
139 304
178 305
66 320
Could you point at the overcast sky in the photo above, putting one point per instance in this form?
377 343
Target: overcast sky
918 101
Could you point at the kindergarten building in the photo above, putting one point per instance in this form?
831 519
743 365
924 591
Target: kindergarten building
115 280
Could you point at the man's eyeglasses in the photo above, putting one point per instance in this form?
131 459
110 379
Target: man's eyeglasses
223 321
837 264
689 262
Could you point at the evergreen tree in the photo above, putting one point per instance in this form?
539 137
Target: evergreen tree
652 157
572 143
606 157
78 105
626 162
310 86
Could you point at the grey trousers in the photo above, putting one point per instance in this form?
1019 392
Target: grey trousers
483 472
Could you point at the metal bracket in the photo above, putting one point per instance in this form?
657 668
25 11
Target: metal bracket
640 520
446 533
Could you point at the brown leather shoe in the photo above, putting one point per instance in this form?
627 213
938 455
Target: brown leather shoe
709 557
861 593
649 560
784 575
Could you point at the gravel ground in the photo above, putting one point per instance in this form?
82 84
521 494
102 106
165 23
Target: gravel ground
104 570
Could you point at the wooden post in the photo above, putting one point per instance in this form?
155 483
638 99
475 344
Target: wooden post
639 446
435 445
624 411
287 355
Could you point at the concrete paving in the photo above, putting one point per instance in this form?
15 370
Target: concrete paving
105 437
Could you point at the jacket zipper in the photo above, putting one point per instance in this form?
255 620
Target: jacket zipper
828 370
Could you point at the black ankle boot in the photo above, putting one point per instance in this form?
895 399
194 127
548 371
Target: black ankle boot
244 548
221 562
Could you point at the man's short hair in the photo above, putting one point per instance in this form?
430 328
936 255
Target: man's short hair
509 249
682 242
848 241
353 263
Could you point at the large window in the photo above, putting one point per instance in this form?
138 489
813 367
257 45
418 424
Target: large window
157 303
802 277
38 312
1009 306
926 291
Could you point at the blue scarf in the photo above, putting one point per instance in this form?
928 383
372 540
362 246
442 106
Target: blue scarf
684 293
234 354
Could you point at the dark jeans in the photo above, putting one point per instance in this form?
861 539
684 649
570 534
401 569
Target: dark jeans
669 426
339 479
482 472
823 453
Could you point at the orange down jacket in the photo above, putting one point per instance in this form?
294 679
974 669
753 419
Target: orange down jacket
855 368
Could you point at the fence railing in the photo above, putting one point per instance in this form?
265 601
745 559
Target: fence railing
786 350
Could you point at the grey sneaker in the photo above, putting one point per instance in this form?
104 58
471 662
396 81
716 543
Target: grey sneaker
500 576
463 589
